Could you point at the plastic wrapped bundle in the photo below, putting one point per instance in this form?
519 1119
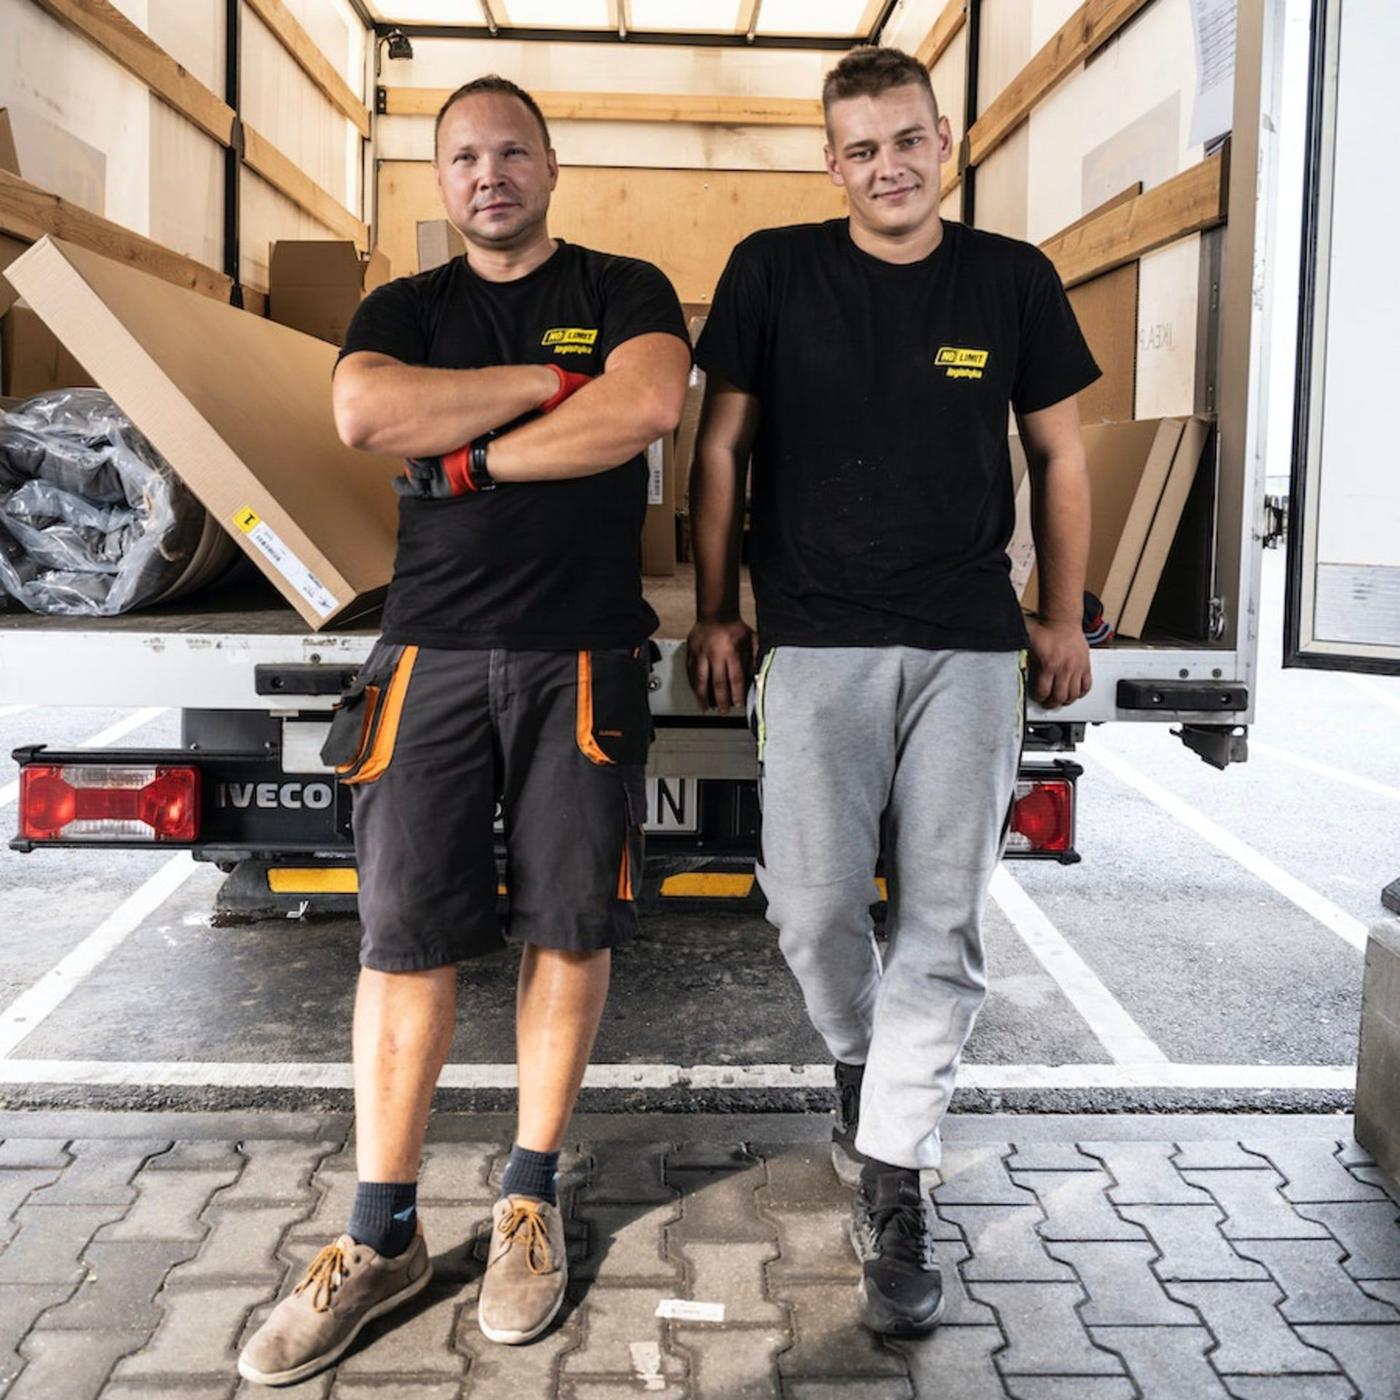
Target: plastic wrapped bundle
93 521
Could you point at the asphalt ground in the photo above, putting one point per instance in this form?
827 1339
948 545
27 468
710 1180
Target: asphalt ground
1206 955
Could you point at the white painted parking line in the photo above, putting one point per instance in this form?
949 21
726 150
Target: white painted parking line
30 1008
1375 692
1325 770
7 710
104 739
1115 1029
1290 887
337 1075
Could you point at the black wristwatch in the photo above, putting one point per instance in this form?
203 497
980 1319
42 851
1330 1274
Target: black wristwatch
481 478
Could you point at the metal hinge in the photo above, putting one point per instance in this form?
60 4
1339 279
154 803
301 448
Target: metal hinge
1217 619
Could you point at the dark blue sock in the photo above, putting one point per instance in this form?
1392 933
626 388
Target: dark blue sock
530 1174
385 1215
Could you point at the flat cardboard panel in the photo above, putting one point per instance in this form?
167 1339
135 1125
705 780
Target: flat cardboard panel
659 527
32 359
438 243
1106 308
241 408
10 249
318 283
9 157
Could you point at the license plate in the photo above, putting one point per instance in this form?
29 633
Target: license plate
673 804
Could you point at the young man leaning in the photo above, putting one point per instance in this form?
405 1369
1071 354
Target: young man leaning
522 382
868 365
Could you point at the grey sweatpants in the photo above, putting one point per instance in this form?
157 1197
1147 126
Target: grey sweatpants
920 748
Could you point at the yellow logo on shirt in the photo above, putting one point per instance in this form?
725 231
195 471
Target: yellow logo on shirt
961 364
570 340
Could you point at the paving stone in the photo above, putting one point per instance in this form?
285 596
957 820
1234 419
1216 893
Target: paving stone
419 1388
332 1212
1191 1244
626 1243
801 1178
959 1309
415 1339
20 1305
1049 1157
190 1389
457 1171
1311 1171
15 1189
1145 1174
515 1373
1217 1155
827 1339
718 1204
1387 1290
976 1175
954 1361
1254 1207
120 1288
1005 1245
48 1246
847 1389
1370 1356
99 1174
732 1274
169 1206
573 1172
1316 1288
274 1170
624 1172
738 1363
1076 1207
612 1388
1070 1388
33 1152
1043 1332
1292 1388
199 1334
456 1236
812 1244
242 1243
198 1155
1168 1363
615 1319
1374 1176
1253 1336
1123 1291
316 1387
1368 1230
709 1156
70 1365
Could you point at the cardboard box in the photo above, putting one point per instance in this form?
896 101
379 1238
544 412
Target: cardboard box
659 528
438 242
32 361
10 249
241 408
315 285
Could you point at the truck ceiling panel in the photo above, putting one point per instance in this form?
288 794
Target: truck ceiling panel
684 16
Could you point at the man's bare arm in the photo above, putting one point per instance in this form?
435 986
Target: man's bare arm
720 647
384 405
636 400
1060 516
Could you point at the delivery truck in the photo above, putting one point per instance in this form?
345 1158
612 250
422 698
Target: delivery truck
1136 141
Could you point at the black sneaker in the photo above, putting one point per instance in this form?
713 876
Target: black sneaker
901 1286
844 1156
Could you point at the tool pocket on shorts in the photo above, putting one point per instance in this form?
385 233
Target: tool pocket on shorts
634 816
365 724
614 716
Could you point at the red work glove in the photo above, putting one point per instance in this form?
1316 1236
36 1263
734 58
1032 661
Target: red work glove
569 383
441 477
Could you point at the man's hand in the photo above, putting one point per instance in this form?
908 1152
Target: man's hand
719 658
1060 670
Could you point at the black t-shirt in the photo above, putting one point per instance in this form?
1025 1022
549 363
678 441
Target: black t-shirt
882 502
546 566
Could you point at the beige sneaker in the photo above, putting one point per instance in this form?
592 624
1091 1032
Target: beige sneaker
347 1285
526 1270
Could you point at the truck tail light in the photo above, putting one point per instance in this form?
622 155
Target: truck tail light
1042 815
93 802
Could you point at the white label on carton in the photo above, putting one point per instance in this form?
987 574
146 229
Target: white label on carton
275 551
656 474
687 1310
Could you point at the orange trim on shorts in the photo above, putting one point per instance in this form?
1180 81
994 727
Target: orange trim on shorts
387 731
624 875
583 733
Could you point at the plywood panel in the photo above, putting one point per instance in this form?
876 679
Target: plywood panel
192 33
1001 188
1004 47
685 221
187 187
1168 300
1106 309
949 76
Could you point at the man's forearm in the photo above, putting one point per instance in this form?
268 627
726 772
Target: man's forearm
1060 515
604 424
410 411
716 524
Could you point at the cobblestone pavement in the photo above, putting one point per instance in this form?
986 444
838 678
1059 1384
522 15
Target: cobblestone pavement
1086 1258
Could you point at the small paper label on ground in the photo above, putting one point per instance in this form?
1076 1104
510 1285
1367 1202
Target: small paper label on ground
274 549
688 1310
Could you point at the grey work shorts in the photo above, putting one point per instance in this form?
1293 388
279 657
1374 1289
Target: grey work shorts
432 742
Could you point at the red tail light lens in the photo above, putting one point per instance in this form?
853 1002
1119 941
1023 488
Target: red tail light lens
1042 817
90 802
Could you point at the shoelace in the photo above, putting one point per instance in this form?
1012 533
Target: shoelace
902 1230
525 1216
326 1272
